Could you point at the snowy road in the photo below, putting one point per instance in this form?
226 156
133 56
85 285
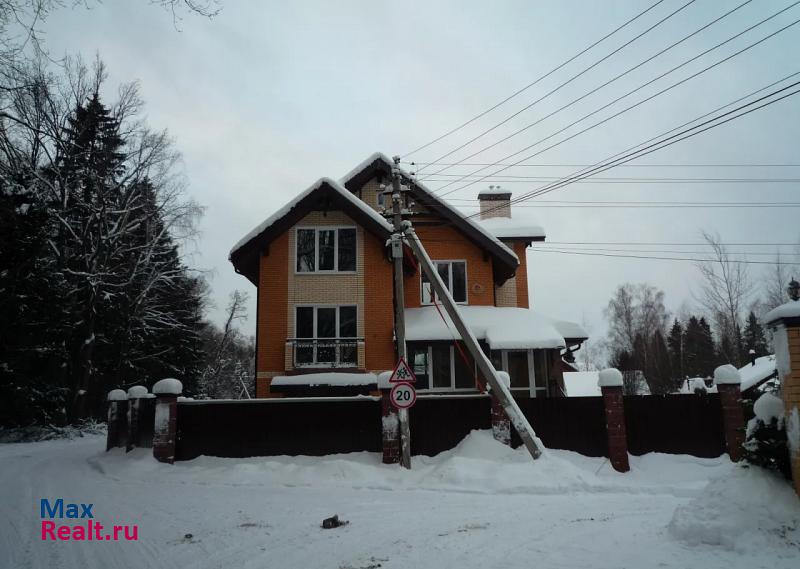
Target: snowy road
479 506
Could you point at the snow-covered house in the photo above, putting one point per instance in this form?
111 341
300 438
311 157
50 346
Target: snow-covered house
325 297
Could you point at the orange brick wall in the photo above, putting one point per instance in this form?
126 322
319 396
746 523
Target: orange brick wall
445 243
272 311
790 390
378 307
522 275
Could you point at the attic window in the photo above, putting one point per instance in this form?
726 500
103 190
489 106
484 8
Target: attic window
326 250
454 275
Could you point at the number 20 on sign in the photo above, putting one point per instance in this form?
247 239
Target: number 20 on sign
403 395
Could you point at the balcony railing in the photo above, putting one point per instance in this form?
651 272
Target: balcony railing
325 352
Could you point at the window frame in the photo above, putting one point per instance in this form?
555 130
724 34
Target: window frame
533 388
449 263
316 229
316 308
452 387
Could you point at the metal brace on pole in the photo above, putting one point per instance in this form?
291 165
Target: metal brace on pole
399 304
499 388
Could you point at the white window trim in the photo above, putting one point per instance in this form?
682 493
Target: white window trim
533 388
314 326
452 387
317 229
450 277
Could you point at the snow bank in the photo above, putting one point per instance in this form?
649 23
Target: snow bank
330 378
168 386
750 510
502 328
727 375
117 395
137 392
610 377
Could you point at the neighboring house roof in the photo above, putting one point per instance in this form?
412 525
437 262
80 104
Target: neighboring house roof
755 375
582 384
325 193
513 228
506 260
503 328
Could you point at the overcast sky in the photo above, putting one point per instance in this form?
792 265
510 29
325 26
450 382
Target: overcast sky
268 96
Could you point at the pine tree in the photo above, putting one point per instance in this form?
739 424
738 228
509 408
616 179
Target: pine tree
754 337
675 346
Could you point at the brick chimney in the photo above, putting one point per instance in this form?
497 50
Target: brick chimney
495 202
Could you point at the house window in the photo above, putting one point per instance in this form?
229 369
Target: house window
527 369
326 336
454 276
441 367
326 250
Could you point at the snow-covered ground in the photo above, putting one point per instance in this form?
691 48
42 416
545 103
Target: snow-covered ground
479 505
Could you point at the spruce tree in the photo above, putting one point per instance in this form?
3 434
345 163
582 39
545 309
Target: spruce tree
675 346
754 337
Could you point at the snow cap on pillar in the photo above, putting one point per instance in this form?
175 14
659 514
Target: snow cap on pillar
168 386
504 378
610 377
727 375
137 392
117 395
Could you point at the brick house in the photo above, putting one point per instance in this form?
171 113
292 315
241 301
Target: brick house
325 301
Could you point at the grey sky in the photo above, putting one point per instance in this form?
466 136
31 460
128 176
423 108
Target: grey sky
268 96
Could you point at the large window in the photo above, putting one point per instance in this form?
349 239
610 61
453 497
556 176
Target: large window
442 367
527 370
454 276
326 335
326 249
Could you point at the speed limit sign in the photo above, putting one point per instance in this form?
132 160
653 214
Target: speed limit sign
403 395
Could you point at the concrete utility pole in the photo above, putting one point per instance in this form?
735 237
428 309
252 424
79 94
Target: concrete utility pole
399 303
487 369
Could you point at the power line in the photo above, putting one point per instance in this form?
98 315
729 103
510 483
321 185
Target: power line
536 81
656 205
568 81
679 252
637 104
590 92
672 244
623 166
694 260
626 156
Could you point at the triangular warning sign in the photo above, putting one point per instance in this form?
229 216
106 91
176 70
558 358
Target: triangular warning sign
402 373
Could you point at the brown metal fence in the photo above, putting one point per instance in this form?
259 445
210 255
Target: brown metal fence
682 424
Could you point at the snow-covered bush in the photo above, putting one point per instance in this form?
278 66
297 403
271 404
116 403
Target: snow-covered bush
766 444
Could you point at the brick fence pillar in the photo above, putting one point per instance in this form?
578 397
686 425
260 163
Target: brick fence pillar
165 428
390 429
785 323
610 382
117 434
135 395
728 382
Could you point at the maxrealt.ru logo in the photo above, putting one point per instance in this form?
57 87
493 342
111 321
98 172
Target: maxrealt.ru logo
90 530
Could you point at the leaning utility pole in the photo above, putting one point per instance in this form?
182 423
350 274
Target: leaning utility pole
499 388
399 303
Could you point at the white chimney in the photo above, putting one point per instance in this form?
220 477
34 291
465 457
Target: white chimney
495 202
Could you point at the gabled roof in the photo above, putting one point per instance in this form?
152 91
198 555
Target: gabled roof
507 261
325 194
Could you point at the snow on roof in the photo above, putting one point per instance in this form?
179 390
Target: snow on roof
570 329
327 378
424 189
789 310
279 214
755 374
581 383
511 227
503 328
